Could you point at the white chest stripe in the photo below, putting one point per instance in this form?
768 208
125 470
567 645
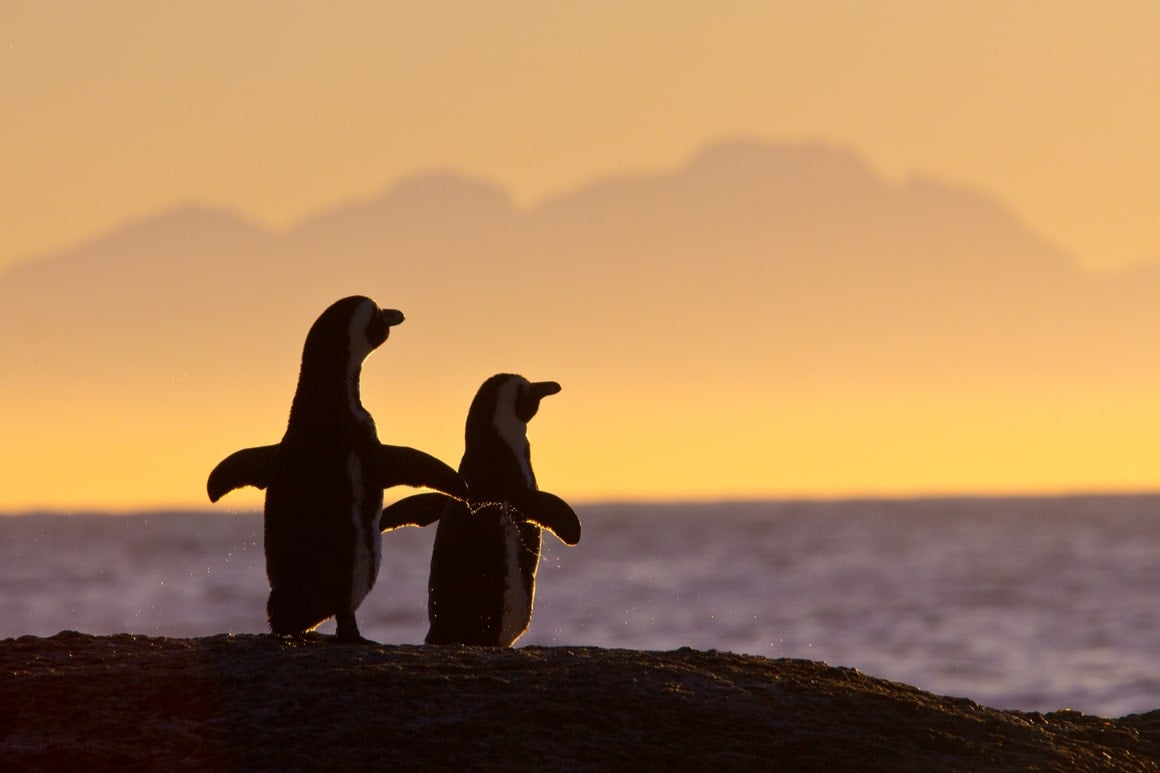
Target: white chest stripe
511 428
517 601
517 604
366 556
359 347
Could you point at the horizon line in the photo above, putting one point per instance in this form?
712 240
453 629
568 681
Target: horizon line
633 502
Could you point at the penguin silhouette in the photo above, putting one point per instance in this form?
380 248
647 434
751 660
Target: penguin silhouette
483 567
324 482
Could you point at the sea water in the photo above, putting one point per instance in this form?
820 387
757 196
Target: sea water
1033 604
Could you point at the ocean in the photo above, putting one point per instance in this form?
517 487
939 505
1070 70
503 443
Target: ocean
1017 603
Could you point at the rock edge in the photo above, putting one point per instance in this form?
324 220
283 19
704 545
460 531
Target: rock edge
261 702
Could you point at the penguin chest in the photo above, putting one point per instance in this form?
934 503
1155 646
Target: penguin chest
519 581
367 541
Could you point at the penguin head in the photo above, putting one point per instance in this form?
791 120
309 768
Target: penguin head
506 403
527 396
348 331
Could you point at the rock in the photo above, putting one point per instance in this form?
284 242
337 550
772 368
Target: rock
260 702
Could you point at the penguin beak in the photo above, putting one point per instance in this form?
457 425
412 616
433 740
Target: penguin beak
528 403
379 328
542 389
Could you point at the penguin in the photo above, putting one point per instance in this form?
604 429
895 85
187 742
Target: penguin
483 567
324 481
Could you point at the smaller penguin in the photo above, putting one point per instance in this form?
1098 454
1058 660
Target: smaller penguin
324 482
483 568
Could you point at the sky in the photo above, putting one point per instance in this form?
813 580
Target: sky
117 110
276 109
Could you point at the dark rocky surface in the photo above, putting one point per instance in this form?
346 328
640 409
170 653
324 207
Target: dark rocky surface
247 702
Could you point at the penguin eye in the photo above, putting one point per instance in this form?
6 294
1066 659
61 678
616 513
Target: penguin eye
526 404
376 330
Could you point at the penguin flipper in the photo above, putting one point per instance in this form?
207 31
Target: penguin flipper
403 466
248 467
549 512
416 510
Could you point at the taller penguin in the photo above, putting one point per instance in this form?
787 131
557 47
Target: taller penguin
483 568
324 482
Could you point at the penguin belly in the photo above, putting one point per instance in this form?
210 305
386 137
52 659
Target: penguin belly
323 548
482 578
367 543
521 542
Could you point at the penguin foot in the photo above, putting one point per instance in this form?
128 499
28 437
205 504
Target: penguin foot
348 633
356 640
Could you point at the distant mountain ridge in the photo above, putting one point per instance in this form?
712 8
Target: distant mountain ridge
798 238
766 265
735 182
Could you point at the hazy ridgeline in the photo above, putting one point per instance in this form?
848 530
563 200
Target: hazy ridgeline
767 320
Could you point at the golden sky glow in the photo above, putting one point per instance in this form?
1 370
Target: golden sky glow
118 108
115 111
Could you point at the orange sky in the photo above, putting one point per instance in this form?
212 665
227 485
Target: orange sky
114 111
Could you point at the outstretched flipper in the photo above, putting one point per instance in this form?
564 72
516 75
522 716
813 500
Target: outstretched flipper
248 467
403 466
417 510
549 512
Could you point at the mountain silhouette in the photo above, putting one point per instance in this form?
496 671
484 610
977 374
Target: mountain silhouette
758 264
